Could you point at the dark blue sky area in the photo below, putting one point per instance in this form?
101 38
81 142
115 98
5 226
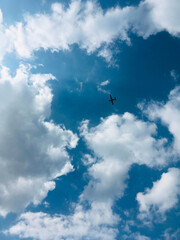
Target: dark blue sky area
143 73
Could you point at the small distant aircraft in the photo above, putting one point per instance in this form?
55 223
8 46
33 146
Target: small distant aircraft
112 99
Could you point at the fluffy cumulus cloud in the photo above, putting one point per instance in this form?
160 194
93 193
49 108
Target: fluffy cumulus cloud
153 16
117 144
169 114
94 224
162 197
164 194
32 150
164 14
85 23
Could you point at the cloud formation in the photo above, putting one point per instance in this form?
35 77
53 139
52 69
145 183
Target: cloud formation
32 150
162 197
102 87
89 26
135 236
117 144
169 115
93 224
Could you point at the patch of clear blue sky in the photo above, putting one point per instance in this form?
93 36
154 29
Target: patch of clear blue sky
143 73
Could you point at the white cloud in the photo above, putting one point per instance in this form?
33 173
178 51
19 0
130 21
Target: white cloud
169 114
89 26
46 204
88 159
65 170
153 16
105 83
100 87
106 54
117 144
92 224
32 151
165 15
174 74
162 197
136 236
169 234
79 23
6 44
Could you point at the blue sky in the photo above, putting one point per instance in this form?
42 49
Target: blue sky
73 166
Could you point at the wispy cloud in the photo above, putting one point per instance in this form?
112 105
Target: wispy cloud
174 74
100 87
105 83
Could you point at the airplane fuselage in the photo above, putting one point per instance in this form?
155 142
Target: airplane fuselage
112 100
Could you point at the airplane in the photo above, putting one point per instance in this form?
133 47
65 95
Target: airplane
112 99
